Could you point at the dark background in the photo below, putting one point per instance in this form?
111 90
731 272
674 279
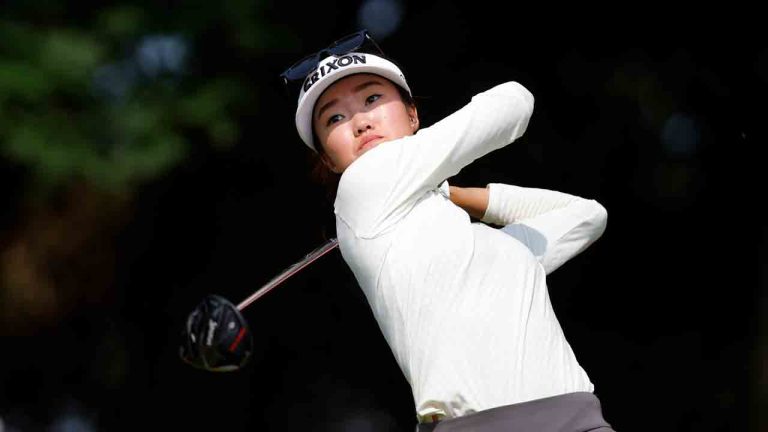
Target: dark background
649 111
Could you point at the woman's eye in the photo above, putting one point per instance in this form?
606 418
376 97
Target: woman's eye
372 98
333 119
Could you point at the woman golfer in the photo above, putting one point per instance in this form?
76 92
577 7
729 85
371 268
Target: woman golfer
463 305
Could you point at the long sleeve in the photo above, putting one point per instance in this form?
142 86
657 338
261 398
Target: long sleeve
555 226
382 186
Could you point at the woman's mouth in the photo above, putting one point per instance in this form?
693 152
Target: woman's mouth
369 142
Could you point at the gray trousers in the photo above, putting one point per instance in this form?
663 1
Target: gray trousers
572 412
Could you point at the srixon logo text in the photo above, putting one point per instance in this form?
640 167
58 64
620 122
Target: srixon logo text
332 65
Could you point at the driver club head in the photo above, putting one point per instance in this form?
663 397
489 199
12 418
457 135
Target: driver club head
216 337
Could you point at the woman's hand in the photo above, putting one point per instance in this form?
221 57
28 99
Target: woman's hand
473 200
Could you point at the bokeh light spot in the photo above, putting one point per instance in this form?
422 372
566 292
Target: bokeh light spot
680 135
380 17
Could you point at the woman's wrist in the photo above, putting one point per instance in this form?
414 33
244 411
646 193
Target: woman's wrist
473 200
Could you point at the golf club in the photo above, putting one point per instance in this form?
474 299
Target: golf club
290 271
216 337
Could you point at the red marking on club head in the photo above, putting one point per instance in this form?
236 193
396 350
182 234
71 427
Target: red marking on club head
237 340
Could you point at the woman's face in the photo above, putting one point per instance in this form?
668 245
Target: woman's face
356 114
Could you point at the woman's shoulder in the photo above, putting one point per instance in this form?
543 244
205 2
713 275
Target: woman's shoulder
370 171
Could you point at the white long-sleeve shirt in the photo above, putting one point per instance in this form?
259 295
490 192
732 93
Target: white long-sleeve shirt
464 306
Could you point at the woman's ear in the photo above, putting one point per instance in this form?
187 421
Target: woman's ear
329 163
413 116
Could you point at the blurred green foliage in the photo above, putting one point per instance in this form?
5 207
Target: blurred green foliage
115 97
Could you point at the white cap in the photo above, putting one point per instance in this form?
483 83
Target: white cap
332 69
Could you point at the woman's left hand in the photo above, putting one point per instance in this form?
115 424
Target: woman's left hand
473 200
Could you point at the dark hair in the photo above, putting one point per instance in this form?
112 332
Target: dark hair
321 173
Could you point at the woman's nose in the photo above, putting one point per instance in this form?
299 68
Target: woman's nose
362 123
362 128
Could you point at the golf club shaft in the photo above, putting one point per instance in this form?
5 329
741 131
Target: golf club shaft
290 271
